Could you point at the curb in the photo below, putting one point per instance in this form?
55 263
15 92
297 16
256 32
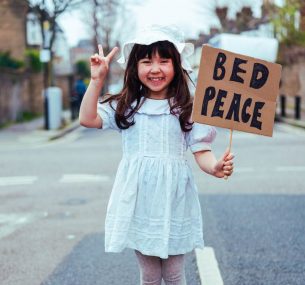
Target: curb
292 122
34 134
71 127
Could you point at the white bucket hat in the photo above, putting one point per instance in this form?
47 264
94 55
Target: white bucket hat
157 33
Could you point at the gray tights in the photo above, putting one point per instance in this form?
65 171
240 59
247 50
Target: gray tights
153 269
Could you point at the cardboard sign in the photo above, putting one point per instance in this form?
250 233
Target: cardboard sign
236 91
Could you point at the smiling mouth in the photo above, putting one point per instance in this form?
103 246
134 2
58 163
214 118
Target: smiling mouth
156 79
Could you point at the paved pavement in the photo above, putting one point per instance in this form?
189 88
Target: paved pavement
33 132
290 116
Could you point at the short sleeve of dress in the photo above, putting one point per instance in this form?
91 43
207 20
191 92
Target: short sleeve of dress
107 111
201 137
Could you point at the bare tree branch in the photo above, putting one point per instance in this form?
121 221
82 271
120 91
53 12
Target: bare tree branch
242 20
50 13
107 21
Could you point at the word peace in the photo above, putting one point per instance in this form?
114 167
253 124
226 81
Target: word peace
235 111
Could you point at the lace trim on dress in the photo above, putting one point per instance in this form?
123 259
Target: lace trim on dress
153 106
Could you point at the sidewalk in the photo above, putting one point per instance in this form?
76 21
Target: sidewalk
289 119
34 132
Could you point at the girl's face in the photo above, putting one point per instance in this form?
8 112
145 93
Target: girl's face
156 73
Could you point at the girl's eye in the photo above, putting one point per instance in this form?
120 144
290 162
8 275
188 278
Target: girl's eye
145 61
164 60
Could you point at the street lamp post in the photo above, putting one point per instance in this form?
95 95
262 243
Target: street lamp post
45 57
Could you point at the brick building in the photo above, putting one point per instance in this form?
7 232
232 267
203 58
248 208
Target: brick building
21 90
12 23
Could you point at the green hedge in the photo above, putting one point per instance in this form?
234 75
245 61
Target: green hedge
82 69
8 62
33 60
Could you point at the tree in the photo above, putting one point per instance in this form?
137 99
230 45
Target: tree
108 20
47 13
82 69
104 14
287 27
302 14
244 19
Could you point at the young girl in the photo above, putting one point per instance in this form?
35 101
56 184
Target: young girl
154 206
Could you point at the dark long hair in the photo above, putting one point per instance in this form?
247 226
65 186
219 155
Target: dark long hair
133 90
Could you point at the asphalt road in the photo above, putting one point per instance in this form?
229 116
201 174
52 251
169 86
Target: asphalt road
255 221
53 200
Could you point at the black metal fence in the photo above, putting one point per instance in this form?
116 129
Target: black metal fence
297 106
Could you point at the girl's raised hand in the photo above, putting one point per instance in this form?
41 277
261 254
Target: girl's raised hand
100 64
224 166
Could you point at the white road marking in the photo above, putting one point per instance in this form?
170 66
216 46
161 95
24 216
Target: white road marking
290 168
208 267
17 180
84 178
11 222
78 178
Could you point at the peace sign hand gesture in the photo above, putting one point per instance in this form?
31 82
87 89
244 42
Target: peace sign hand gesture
99 64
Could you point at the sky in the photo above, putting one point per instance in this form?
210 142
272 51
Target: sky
193 17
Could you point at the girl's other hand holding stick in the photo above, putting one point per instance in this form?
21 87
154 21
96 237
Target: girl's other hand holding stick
224 166
219 168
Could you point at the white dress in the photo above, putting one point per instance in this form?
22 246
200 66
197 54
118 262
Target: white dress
154 205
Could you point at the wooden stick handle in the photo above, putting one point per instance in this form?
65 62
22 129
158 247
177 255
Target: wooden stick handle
230 146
